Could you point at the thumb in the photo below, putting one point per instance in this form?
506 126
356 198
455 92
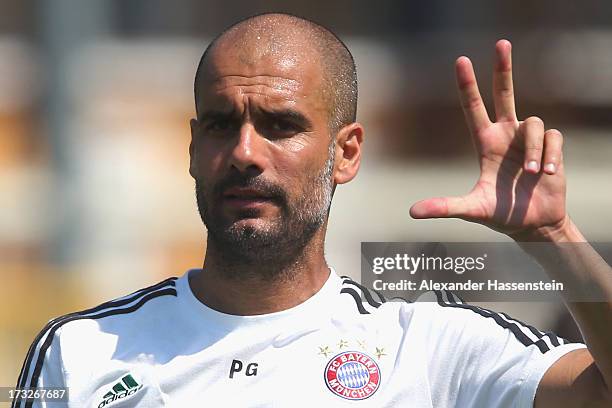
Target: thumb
443 207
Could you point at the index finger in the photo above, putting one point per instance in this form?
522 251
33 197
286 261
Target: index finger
471 101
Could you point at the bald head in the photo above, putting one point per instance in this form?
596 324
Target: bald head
291 40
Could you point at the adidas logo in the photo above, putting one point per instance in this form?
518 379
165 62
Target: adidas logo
123 388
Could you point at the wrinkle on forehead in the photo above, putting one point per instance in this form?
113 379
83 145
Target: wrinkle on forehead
281 86
252 59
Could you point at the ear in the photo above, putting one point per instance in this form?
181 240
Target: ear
193 123
348 152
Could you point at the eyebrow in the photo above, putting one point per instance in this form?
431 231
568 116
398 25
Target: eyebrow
286 114
210 115
290 115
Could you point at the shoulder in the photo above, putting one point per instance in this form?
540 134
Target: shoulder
86 329
441 316
445 312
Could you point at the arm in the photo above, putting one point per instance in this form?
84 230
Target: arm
521 192
583 373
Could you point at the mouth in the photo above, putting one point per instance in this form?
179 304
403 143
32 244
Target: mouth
238 197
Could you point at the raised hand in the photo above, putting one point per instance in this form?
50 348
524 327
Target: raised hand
521 188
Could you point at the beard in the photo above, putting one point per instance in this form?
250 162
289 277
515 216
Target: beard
276 243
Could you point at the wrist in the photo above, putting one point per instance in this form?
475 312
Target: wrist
563 231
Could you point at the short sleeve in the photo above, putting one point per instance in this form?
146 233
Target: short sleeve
481 358
42 368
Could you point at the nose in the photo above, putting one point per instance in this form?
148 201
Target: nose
248 154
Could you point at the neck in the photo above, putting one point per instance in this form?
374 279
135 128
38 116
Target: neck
253 288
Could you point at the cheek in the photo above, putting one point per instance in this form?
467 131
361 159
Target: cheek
297 162
290 158
208 160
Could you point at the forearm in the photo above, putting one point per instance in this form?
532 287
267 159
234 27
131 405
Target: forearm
567 256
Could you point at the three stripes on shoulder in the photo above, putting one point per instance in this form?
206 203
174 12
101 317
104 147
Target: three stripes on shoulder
368 300
526 334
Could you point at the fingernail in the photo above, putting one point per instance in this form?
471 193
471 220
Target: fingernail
532 165
549 168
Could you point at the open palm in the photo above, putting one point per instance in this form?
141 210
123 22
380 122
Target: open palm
521 187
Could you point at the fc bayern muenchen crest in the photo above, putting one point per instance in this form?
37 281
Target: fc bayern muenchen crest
352 375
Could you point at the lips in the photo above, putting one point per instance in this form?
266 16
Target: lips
245 197
245 194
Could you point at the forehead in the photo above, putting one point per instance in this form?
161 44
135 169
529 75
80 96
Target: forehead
279 69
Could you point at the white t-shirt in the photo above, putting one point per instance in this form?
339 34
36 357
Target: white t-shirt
161 346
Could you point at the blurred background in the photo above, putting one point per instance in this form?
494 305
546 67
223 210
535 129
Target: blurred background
95 99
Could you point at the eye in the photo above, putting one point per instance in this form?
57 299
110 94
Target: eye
282 126
218 125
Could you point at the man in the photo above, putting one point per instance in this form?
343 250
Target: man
266 322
